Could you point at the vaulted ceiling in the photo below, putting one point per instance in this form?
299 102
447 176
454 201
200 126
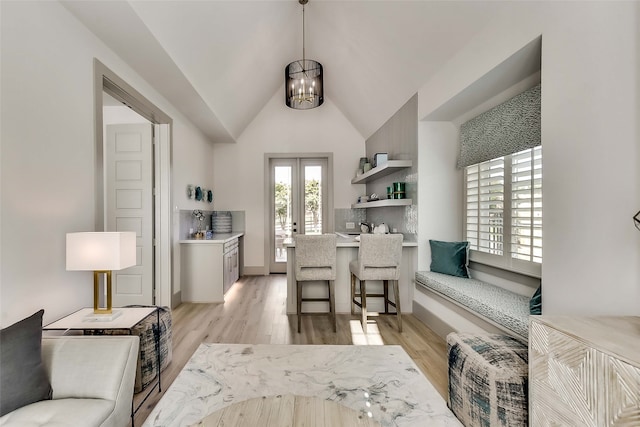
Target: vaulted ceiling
220 62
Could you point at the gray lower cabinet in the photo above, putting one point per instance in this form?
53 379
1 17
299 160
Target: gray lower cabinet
231 264
584 371
201 271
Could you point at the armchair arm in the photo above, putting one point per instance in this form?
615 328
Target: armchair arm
91 367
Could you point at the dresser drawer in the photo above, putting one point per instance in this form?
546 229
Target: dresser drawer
576 382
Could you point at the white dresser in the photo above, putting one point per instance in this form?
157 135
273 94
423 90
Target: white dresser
584 371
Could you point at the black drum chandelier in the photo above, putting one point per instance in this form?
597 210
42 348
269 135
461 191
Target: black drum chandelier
303 80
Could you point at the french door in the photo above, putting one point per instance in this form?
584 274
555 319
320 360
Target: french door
298 199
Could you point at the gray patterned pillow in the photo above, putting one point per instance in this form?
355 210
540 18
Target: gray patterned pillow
23 377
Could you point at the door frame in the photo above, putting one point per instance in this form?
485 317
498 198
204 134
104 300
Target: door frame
106 80
268 215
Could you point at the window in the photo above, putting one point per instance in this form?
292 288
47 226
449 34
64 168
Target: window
503 218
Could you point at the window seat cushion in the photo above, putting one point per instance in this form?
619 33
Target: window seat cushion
503 308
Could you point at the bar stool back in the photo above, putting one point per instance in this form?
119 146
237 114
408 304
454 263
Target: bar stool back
379 258
315 260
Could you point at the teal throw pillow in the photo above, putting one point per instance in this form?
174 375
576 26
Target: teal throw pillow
450 258
535 303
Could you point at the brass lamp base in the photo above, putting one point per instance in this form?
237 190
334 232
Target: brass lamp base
102 314
96 292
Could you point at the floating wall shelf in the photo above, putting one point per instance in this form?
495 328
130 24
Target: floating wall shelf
383 170
382 203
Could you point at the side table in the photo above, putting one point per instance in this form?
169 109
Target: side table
129 318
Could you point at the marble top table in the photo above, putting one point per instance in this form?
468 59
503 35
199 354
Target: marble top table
380 382
287 410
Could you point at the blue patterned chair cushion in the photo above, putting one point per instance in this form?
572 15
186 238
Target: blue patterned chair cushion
499 305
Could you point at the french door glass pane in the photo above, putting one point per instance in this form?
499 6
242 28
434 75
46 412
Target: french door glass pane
313 199
283 211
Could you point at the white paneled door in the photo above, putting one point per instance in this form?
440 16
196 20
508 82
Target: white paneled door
129 206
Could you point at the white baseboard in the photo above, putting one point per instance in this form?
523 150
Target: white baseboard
254 271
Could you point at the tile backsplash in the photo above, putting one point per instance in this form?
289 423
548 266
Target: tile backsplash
342 216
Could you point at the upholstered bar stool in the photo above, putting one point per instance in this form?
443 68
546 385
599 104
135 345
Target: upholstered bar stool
316 260
379 258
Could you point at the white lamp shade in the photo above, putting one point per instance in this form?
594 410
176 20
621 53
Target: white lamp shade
96 251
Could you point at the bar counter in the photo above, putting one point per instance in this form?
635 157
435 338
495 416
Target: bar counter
347 251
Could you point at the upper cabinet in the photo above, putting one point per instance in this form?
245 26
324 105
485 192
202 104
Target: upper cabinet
383 170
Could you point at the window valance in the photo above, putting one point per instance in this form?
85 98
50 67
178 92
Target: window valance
508 128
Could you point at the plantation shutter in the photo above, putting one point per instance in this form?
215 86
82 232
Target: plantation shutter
485 206
526 205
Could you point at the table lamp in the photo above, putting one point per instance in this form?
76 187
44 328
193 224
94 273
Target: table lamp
101 252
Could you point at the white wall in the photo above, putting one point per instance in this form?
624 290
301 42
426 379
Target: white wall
590 134
440 195
239 168
439 189
47 172
191 165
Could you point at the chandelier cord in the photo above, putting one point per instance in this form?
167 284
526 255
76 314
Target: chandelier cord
303 57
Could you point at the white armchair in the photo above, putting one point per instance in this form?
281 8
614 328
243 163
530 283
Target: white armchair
92 380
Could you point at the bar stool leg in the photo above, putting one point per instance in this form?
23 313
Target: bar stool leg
385 289
299 297
363 299
396 295
332 303
353 293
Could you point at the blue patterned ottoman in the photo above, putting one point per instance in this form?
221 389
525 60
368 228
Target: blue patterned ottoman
488 379
148 331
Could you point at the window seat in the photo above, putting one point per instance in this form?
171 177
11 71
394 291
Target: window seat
506 310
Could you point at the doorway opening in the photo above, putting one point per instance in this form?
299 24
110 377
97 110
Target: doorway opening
300 201
157 192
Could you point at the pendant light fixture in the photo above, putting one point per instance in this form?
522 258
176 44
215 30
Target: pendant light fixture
303 80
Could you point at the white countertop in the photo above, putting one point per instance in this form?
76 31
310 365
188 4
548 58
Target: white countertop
219 238
349 241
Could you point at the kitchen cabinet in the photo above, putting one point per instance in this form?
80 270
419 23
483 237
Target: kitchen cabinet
378 172
231 262
584 371
208 268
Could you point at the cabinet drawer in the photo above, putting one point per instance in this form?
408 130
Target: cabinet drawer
574 384
563 379
230 245
622 392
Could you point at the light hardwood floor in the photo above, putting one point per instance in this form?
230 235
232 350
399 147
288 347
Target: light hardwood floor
255 313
